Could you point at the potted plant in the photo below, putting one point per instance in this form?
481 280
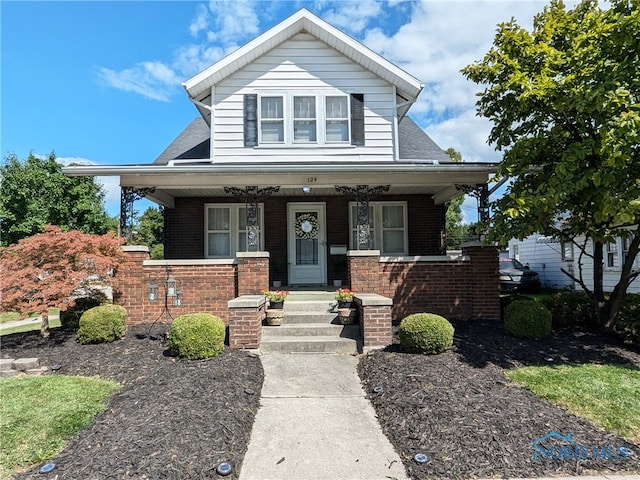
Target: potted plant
276 298
344 296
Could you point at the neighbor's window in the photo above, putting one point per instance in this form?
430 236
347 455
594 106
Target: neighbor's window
226 230
611 250
387 225
567 251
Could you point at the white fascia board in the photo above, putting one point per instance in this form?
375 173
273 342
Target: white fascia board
407 84
204 168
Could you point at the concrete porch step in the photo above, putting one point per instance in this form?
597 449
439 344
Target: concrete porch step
312 330
299 344
309 317
310 306
11 367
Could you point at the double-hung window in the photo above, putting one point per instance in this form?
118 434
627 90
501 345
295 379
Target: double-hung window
226 230
387 227
271 120
336 119
304 119
318 118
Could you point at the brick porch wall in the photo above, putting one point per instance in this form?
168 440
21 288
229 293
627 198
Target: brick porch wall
460 287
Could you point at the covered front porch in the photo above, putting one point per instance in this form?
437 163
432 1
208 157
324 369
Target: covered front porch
462 286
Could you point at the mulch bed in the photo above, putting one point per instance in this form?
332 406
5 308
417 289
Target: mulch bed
176 419
172 418
460 409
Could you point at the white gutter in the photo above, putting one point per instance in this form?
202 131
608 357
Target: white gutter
176 169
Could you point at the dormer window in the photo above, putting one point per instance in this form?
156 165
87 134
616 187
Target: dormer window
303 119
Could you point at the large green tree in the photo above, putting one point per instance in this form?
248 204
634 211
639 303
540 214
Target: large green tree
149 230
564 100
35 193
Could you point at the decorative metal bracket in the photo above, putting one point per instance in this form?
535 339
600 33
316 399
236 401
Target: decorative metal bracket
363 194
128 195
251 196
480 192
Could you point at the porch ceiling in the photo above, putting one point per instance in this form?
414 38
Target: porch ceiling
439 184
207 180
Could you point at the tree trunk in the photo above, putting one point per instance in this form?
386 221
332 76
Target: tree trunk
44 326
601 306
614 303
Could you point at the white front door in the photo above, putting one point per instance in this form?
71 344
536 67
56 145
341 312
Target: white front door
307 243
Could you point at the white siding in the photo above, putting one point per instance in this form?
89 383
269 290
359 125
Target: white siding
303 63
610 277
545 257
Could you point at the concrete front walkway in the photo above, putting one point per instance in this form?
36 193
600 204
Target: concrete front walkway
314 423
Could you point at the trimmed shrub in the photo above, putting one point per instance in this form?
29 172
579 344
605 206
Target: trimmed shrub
506 300
425 333
105 323
570 308
197 336
628 325
70 318
526 319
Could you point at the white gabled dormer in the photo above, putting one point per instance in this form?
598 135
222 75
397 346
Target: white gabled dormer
303 91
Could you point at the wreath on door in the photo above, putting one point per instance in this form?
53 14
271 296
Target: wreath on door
306 226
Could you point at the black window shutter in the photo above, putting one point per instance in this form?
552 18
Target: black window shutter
357 119
251 120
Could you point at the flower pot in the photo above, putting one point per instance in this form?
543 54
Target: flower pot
275 305
344 303
275 317
347 316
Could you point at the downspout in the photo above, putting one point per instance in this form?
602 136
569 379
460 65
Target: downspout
212 111
396 151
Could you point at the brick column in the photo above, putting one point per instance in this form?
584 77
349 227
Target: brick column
485 284
245 321
364 270
253 272
375 320
129 289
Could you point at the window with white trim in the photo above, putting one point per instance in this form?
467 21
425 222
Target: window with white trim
226 230
567 251
387 225
611 249
308 118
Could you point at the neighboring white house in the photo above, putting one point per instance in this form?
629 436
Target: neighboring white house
547 256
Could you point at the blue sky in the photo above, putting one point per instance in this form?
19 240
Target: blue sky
99 82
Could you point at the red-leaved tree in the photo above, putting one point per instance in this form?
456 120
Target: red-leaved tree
50 269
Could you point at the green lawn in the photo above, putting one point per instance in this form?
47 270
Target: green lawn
607 395
36 427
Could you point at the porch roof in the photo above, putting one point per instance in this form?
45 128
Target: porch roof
208 180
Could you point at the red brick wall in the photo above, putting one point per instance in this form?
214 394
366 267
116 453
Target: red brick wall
184 225
453 289
205 288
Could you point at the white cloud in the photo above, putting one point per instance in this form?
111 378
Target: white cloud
153 80
353 16
201 20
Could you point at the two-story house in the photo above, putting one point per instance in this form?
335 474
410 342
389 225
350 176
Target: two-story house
303 149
